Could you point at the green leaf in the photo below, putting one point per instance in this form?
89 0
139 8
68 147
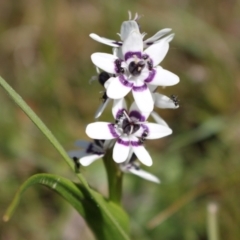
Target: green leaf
42 127
83 202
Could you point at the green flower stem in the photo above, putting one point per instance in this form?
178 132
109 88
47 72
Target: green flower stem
115 177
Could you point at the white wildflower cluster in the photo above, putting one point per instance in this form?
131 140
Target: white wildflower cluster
133 67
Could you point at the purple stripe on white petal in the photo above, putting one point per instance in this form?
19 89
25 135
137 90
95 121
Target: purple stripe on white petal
113 130
120 113
139 88
93 149
117 65
118 43
149 43
145 56
131 54
145 128
151 76
124 81
136 143
136 114
122 142
150 64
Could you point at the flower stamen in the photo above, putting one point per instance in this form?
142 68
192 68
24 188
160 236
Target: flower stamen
126 124
136 68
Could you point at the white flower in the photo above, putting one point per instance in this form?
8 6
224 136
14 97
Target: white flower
160 100
137 70
130 131
133 167
126 28
91 151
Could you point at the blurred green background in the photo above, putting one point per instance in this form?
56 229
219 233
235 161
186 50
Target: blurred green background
45 56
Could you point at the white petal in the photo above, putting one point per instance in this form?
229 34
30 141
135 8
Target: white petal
157 51
168 38
101 130
157 130
87 160
152 88
118 105
143 98
157 36
127 27
114 51
109 42
118 53
129 156
135 109
118 88
121 150
162 101
101 108
133 43
107 83
140 132
163 77
143 174
142 155
104 61
158 119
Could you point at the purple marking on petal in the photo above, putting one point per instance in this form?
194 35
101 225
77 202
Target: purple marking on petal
92 149
112 130
89 148
145 56
149 43
118 43
118 64
145 128
124 81
136 143
150 64
151 76
131 54
136 114
122 142
120 113
139 88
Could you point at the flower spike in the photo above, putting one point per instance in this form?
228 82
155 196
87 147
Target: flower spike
133 66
